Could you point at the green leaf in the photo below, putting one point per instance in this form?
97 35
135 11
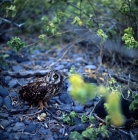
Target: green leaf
76 136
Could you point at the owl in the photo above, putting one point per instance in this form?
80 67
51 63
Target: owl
44 88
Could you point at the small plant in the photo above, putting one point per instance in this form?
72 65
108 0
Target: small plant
16 44
134 103
90 133
113 108
129 39
101 34
83 118
79 90
72 70
67 119
2 57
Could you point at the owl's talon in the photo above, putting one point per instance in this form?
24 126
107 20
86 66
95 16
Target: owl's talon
46 105
41 106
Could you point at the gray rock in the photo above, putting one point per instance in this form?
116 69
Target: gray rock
24 137
4 135
49 137
80 127
13 83
13 94
78 108
4 115
65 98
5 123
31 128
17 68
59 67
3 92
1 101
7 102
92 67
7 78
19 126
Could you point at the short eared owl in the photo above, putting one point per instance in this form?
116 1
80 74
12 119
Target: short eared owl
43 88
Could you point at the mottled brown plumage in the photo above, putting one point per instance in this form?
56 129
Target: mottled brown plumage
43 88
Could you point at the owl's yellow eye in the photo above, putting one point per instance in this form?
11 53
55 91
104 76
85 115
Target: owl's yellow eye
55 76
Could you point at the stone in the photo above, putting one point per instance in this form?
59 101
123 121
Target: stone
3 92
65 98
13 83
5 123
7 102
92 67
17 68
78 108
80 127
13 94
4 135
1 101
59 67
24 137
19 126
31 128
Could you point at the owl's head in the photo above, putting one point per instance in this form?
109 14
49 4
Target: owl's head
55 77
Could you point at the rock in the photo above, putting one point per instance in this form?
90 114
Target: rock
49 137
19 126
4 135
66 107
65 98
1 101
13 83
77 120
31 128
92 67
80 127
78 108
3 92
7 78
4 115
24 137
7 102
5 123
17 68
13 94
59 67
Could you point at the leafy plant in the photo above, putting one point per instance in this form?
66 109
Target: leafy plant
2 56
90 133
76 136
16 44
113 108
83 118
129 39
79 90
134 103
101 34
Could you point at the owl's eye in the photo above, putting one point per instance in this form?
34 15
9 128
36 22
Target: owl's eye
55 76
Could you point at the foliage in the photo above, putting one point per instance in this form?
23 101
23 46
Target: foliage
113 108
90 133
16 44
2 56
134 103
129 39
69 118
79 90
101 33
